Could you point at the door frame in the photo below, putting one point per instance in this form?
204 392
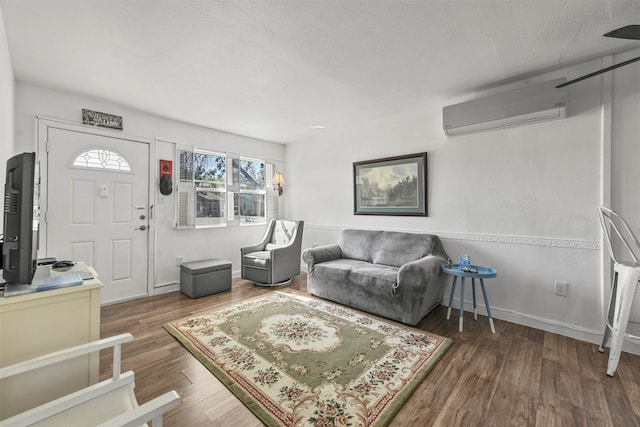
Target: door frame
43 124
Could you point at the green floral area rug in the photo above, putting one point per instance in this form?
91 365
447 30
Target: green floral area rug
294 360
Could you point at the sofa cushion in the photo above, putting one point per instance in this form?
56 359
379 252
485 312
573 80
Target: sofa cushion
357 244
397 249
261 259
382 277
356 273
337 269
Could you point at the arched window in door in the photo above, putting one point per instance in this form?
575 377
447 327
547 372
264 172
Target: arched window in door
99 158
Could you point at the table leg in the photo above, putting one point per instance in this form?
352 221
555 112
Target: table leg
486 303
475 306
453 290
461 304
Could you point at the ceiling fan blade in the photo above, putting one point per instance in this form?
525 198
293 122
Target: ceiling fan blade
595 73
631 32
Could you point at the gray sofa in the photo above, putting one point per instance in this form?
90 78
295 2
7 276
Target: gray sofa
392 274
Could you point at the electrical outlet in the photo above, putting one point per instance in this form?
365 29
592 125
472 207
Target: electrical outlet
178 261
561 288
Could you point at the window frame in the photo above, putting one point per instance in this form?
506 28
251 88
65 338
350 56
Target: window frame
102 166
254 192
230 190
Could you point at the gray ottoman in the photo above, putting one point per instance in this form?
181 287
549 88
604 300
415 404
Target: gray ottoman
206 277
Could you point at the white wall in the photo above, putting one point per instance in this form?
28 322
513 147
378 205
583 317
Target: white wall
7 89
625 148
32 101
522 200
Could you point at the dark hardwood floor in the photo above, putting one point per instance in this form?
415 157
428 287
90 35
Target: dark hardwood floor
518 377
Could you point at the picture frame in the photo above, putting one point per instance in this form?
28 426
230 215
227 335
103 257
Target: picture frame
391 186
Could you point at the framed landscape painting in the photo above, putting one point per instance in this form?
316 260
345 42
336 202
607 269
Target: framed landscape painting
391 186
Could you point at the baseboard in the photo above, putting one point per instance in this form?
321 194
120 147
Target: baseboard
127 299
165 288
547 325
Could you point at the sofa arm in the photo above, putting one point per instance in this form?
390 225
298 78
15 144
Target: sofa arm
253 248
418 273
260 246
313 256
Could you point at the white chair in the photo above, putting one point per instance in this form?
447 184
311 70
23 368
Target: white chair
111 402
626 275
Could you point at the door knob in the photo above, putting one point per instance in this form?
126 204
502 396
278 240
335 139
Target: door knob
142 227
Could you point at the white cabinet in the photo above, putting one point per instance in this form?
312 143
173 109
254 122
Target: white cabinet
35 324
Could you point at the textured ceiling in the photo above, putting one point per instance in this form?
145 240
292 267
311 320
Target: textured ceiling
273 69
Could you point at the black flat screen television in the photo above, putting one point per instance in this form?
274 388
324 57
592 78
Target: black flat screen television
21 219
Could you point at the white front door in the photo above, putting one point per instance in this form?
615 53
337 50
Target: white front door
97 208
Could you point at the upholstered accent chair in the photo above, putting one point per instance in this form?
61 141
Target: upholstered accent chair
276 259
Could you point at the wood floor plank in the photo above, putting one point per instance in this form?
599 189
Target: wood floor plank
511 407
463 408
619 403
560 349
519 376
559 386
629 375
553 416
523 366
594 399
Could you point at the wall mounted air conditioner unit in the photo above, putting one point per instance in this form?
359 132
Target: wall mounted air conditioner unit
514 107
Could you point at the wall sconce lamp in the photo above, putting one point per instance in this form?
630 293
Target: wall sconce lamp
278 179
